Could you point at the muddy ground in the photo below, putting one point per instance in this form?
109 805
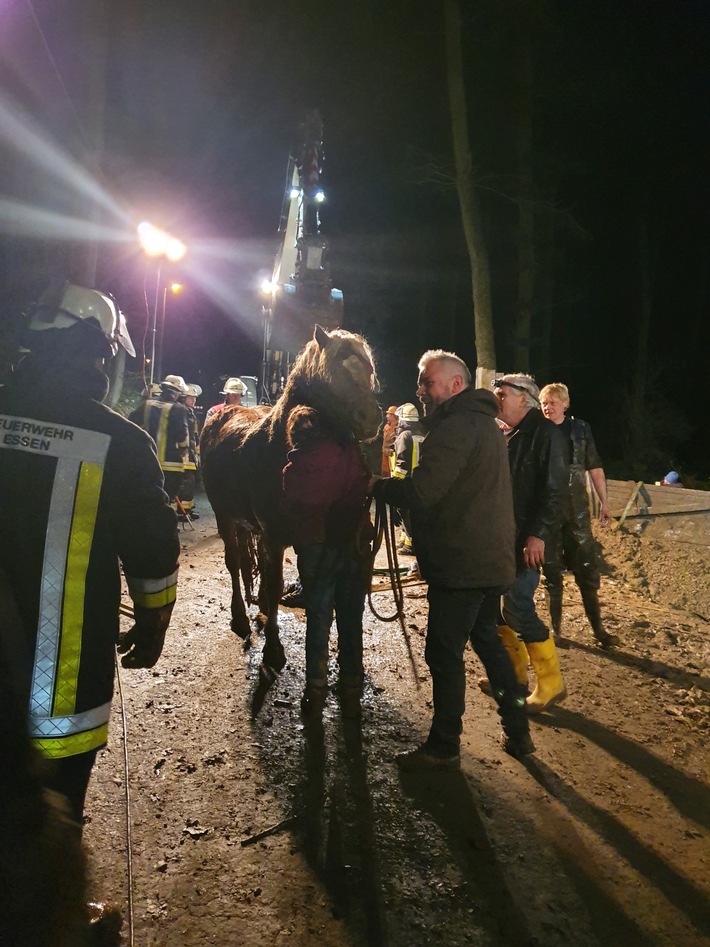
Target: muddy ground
246 827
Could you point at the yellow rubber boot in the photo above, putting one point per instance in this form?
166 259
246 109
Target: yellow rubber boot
518 658
516 651
550 688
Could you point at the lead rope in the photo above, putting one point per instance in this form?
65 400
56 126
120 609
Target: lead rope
129 835
385 526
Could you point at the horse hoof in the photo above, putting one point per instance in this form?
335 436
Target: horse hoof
241 631
274 658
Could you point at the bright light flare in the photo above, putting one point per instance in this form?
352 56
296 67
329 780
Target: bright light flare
267 287
156 242
319 196
18 130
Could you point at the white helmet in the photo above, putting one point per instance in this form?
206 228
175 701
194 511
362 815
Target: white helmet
175 383
194 390
407 412
234 386
61 307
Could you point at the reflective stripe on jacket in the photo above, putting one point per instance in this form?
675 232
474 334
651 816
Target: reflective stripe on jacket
83 489
167 424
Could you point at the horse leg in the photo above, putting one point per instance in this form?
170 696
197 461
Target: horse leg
272 588
263 569
227 529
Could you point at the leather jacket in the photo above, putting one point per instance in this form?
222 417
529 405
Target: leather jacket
539 470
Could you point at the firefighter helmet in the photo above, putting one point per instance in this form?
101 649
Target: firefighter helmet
407 412
65 305
234 386
174 383
194 390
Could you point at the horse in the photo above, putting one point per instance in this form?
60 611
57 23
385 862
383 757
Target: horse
243 453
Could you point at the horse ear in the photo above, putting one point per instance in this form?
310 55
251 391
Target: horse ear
321 336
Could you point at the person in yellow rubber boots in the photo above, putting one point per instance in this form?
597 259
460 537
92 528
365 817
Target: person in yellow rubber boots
539 473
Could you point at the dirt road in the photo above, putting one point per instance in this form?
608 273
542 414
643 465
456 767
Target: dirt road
249 828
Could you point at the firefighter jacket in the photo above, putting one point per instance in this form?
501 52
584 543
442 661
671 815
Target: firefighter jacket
405 451
459 496
167 422
193 450
540 472
82 489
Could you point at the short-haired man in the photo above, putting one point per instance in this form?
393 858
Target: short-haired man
539 472
574 547
460 501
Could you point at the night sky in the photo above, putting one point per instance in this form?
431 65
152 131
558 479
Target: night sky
185 113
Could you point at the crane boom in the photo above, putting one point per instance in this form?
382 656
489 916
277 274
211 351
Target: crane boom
301 291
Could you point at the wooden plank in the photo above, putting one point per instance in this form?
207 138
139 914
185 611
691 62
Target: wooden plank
655 500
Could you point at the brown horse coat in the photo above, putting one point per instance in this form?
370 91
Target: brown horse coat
244 452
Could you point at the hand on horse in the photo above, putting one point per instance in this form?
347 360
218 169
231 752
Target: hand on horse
142 645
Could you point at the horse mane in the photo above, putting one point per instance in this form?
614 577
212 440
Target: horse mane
309 383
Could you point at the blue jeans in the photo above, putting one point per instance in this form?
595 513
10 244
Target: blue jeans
332 581
519 607
455 617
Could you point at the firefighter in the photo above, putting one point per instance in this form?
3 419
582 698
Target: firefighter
168 423
404 457
83 491
389 430
233 391
192 464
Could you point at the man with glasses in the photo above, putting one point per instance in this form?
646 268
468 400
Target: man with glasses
539 472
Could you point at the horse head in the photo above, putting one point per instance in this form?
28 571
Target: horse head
335 373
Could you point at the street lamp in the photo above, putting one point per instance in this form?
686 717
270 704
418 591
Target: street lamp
175 289
163 246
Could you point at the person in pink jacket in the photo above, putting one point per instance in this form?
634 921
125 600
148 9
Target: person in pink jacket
325 488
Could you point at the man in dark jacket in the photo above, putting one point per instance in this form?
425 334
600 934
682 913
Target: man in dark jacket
462 522
538 468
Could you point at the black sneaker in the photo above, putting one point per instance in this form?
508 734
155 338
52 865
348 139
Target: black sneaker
422 760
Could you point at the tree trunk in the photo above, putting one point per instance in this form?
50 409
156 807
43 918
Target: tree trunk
640 431
526 216
466 187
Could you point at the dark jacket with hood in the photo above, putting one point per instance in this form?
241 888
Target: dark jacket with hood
460 496
539 470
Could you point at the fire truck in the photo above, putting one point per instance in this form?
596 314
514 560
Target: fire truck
300 293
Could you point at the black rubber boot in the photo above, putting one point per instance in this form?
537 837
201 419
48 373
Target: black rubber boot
590 600
553 596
